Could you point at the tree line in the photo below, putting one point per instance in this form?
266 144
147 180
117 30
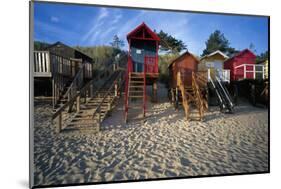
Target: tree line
169 47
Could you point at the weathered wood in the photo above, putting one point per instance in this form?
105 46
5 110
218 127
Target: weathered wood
78 103
60 123
184 99
154 89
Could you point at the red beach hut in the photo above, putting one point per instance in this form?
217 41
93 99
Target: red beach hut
242 66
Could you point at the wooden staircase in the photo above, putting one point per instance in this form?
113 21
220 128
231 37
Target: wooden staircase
191 97
86 108
135 94
91 114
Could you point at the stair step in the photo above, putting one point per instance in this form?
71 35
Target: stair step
135 96
136 107
136 82
137 86
82 123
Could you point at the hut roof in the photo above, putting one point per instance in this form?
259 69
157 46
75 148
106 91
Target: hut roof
241 53
143 27
183 56
59 44
214 53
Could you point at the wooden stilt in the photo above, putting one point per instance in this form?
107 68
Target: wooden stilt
78 103
154 89
172 95
60 123
53 92
177 98
115 89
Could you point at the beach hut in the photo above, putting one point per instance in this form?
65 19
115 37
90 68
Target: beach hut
213 63
242 66
265 67
186 63
185 85
142 67
64 50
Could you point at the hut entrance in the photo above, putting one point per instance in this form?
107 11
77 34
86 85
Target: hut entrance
142 67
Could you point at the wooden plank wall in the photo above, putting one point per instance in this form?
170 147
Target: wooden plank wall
42 64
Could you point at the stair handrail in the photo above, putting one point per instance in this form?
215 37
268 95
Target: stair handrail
185 101
218 94
144 84
77 83
83 89
197 91
224 91
116 81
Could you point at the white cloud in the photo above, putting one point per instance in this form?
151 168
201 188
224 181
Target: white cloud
103 14
54 19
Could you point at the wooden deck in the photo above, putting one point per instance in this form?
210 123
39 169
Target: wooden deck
47 64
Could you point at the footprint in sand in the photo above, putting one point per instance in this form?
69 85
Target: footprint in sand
185 162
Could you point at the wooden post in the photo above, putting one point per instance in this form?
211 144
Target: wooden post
173 95
154 89
60 123
91 90
99 120
245 73
254 68
108 106
177 98
78 103
115 89
53 92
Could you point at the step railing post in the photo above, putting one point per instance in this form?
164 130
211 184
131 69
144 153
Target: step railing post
177 98
60 123
115 89
99 120
78 102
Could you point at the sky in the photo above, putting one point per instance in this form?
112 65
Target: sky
91 26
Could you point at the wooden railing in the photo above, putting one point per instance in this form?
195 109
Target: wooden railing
180 85
75 98
76 84
151 64
127 83
145 70
199 101
42 66
48 64
113 90
249 71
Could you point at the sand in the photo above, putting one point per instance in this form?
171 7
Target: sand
164 146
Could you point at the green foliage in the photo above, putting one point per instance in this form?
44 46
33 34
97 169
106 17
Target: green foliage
40 46
102 55
169 44
117 43
262 57
217 41
163 63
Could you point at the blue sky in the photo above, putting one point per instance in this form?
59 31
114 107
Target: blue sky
91 26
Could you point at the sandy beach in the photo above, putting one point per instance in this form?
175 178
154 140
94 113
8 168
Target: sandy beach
164 146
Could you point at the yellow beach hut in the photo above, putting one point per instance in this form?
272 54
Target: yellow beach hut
213 63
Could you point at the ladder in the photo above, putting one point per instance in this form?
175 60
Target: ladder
225 100
135 93
191 95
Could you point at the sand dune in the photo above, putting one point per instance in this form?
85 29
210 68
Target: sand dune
164 146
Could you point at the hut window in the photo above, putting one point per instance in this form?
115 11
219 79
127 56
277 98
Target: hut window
138 51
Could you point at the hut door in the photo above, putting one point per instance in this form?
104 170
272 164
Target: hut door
138 66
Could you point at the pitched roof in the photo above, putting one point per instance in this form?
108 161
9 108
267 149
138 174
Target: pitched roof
214 53
241 53
182 56
60 44
143 26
